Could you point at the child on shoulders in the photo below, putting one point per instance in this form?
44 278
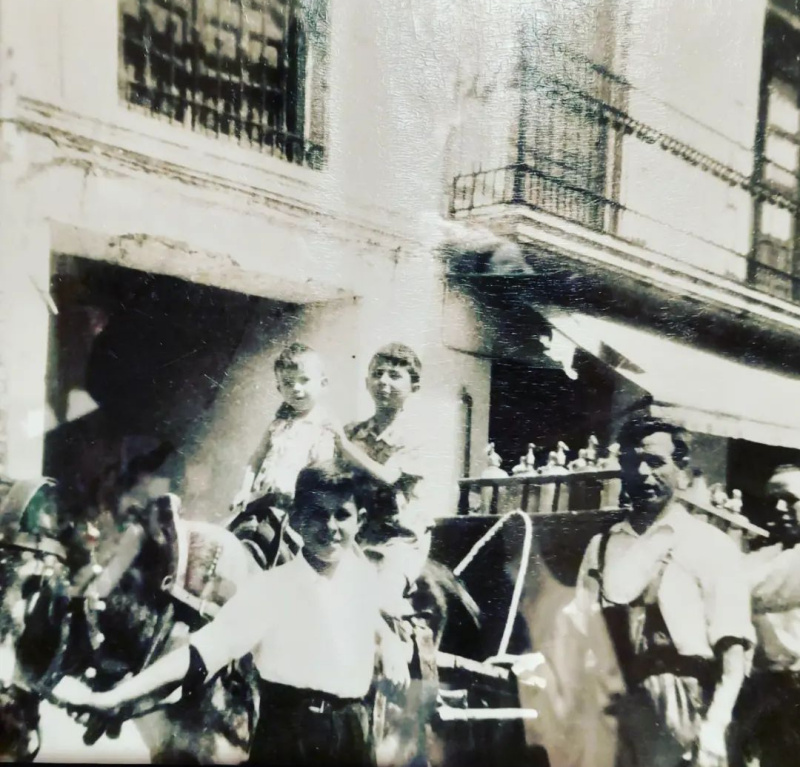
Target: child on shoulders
299 436
388 449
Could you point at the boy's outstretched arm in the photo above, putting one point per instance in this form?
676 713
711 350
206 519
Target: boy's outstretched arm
233 633
165 674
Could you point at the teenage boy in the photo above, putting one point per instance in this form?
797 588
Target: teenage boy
314 628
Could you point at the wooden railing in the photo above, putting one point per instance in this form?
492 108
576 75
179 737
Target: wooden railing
575 491
580 491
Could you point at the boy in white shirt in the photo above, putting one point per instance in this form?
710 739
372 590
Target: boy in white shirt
298 437
314 628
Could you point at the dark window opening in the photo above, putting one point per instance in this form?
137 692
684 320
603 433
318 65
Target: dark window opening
774 264
235 68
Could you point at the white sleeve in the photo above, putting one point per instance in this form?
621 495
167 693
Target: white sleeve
776 583
238 627
726 594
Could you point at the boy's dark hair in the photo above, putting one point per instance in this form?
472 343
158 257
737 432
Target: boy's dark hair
401 355
287 359
320 478
640 426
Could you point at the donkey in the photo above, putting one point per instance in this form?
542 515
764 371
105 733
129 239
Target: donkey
34 611
167 576
71 606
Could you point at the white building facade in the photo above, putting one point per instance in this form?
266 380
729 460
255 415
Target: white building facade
306 166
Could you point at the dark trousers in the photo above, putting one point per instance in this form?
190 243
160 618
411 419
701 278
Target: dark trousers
303 727
768 718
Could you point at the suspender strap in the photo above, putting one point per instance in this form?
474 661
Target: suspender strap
616 618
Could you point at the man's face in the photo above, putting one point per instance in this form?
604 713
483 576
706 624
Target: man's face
389 384
328 523
301 385
650 473
785 487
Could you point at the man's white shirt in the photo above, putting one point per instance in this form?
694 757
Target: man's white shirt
703 594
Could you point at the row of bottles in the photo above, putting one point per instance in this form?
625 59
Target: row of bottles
556 496
712 503
715 506
588 459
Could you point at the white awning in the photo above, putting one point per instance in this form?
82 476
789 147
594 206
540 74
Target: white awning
702 391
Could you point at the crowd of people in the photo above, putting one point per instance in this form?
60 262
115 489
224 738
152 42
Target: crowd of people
706 638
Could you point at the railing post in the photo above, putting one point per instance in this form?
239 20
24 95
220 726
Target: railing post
463 500
518 195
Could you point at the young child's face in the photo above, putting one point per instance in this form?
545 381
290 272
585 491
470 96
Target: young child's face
328 523
389 384
301 385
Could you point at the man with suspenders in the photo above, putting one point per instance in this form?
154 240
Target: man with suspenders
676 602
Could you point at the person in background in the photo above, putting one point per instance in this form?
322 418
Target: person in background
770 701
315 630
299 436
676 604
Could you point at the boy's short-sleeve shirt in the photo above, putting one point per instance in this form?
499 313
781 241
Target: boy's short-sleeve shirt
400 446
291 443
304 630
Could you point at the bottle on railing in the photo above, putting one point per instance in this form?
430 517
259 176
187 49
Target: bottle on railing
531 494
561 453
713 505
521 469
612 488
493 470
734 506
530 459
584 493
513 495
591 450
547 495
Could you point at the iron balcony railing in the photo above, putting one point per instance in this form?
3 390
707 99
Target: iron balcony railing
234 68
528 185
570 135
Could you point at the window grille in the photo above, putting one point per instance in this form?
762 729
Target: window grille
234 68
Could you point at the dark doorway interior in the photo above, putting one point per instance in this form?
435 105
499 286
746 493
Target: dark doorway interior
543 405
145 356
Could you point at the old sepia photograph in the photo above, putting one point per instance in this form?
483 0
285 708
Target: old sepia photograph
400 383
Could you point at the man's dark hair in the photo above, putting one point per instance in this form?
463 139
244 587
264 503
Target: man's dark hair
640 426
326 477
401 355
287 359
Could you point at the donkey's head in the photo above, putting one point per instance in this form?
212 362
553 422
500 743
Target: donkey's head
34 609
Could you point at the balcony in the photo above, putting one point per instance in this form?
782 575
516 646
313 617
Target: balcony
243 71
586 152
